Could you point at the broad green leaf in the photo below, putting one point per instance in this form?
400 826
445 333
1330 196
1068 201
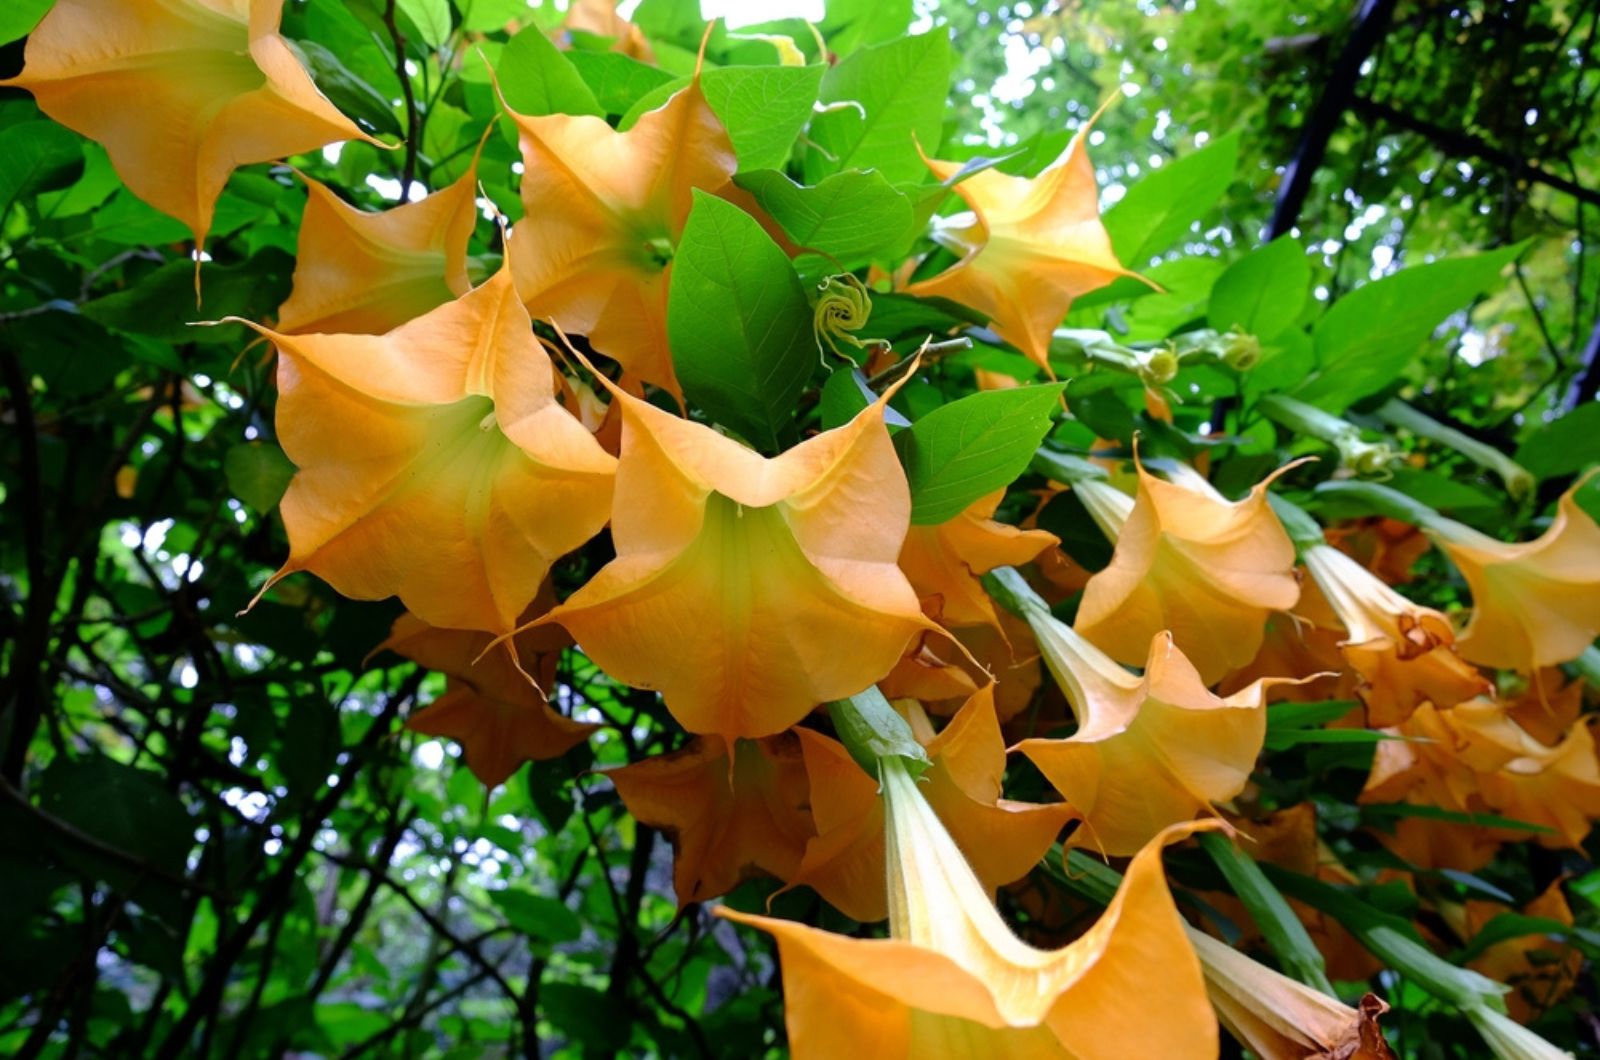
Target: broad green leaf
847 216
537 79
1263 292
1564 446
851 24
1286 716
1159 209
762 107
1186 285
18 17
349 92
431 17
1366 339
538 916
36 156
889 98
617 81
970 448
738 323
486 16
257 473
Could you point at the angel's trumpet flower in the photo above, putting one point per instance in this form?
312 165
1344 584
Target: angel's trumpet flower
179 92
1187 561
1278 1018
1535 603
953 981
1149 751
747 589
1401 650
1028 248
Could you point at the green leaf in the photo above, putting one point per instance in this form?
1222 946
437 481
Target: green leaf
738 323
1284 716
763 107
537 79
850 24
1285 738
487 16
257 474
1564 446
538 916
1510 926
1278 923
848 215
872 730
1366 339
1383 810
616 80
18 17
349 93
1263 292
891 96
431 17
1159 209
969 448
36 156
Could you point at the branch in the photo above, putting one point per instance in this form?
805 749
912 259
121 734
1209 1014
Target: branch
408 171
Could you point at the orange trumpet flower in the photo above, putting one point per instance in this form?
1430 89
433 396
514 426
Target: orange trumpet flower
1028 248
952 979
1536 603
436 463
1401 650
747 590
605 210
730 813
944 561
1188 561
179 92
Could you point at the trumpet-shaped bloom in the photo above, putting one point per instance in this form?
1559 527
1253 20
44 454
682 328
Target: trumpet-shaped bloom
1539 969
489 706
1028 248
729 814
953 981
944 561
747 590
600 18
367 273
1280 1019
1474 758
1401 650
1189 561
1002 839
1149 751
605 210
179 92
1536 603
435 463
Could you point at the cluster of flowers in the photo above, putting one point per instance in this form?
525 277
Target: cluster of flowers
447 458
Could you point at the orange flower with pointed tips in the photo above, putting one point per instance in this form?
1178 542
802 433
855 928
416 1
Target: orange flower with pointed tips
489 706
952 979
1536 603
368 273
605 210
1003 839
1028 248
1188 561
435 463
729 815
748 589
600 18
944 561
179 92
1401 650
1149 751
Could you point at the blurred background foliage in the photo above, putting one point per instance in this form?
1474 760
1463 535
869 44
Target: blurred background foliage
219 841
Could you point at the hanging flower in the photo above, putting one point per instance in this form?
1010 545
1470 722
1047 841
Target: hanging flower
179 92
953 981
599 263
748 590
1028 248
944 561
1002 839
435 463
1536 603
730 812
1401 650
1277 1018
1191 562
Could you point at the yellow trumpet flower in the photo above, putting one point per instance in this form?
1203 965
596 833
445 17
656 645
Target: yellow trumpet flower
952 980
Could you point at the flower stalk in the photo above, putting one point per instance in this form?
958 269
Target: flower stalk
1519 480
1355 455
